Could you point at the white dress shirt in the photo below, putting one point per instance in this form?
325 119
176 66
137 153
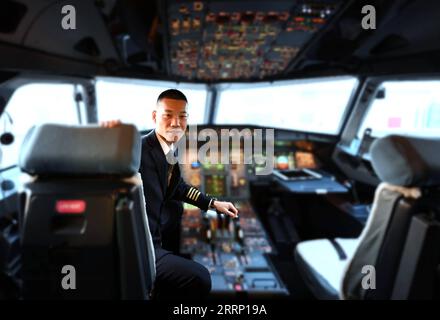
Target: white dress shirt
165 146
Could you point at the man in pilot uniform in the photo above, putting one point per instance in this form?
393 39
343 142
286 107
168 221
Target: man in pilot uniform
164 190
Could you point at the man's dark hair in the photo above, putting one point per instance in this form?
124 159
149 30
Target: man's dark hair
172 94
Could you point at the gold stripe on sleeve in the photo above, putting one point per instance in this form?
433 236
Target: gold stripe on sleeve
189 192
193 196
192 193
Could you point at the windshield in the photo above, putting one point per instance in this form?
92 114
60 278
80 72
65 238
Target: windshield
409 108
36 104
317 105
133 101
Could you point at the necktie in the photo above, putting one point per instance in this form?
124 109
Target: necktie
170 173
171 160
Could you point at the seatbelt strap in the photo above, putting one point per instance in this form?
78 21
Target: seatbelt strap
339 249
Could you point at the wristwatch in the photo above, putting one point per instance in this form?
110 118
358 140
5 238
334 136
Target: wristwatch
211 203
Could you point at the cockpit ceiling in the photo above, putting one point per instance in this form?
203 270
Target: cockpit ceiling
251 40
221 40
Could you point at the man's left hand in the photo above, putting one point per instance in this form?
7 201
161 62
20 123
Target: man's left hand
110 123
226 208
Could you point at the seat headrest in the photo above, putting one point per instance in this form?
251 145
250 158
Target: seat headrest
52 149
407 162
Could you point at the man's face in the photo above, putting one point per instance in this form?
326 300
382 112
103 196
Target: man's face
170 118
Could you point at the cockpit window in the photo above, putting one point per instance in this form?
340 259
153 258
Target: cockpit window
405 107
132 101
35 104
316 105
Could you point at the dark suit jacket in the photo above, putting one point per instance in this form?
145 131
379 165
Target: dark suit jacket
164 203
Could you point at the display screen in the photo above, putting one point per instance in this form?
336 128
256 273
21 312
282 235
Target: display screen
305 160
285 161
215 185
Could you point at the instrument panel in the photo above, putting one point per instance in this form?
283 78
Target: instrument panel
231 180
235 251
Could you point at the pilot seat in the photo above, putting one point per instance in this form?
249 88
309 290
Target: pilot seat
83 226
397 254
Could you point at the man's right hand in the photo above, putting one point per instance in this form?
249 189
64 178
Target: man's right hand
226 208
110 123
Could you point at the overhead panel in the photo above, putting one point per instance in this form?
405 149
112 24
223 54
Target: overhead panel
241 40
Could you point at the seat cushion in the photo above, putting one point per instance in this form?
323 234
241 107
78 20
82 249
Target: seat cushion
323 265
